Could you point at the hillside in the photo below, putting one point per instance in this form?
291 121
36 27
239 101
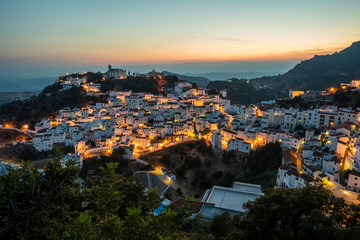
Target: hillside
197 167
8 136
6 97
46 104
319 72
240 91
50 100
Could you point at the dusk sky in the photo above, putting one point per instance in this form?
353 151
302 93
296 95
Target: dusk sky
47 34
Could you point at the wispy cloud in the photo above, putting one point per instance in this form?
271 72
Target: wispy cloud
232 39
223 39
318 51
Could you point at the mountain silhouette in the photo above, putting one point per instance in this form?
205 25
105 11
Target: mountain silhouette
317 73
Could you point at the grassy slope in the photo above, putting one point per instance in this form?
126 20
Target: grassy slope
197 167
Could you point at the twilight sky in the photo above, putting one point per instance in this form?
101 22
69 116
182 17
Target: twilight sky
77 33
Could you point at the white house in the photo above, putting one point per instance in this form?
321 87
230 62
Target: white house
238 144
43 142
354 181
216 140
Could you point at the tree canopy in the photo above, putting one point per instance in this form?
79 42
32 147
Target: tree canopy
306 213
56 204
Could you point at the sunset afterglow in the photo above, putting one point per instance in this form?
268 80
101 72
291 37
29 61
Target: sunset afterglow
147 32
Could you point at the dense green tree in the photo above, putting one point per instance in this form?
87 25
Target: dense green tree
219 226
307 213
29 198
263 164
55 204
213 91
240 91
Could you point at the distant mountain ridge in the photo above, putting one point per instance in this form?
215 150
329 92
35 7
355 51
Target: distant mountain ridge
319 72
6 97
229 75
14 84
201 81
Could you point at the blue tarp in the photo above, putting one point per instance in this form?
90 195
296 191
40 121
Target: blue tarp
159 209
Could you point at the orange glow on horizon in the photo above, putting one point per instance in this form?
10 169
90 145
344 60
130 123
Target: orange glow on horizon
216 32
204 54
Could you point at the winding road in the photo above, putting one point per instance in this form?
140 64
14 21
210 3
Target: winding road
30 133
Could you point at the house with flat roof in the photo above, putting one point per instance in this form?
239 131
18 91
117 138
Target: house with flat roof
231 200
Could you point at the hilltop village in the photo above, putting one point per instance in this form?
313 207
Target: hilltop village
319 144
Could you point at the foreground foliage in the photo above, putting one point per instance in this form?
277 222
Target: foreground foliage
50 204
263 165
307 213
56 204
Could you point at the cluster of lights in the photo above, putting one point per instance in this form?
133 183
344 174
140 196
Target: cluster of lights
332 90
